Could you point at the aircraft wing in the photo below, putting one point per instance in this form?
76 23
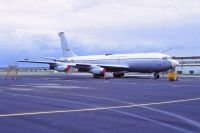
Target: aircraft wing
122 67
108 67
85 66
40 62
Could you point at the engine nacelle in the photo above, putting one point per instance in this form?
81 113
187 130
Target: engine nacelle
97 71
63 68
52 67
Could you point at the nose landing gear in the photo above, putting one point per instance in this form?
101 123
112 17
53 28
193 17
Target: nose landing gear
156 76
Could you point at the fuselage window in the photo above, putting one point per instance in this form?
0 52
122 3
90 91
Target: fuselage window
165 58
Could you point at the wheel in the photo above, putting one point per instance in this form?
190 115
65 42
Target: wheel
118 75
156 76
98 75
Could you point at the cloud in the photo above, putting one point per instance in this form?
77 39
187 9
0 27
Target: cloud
29 28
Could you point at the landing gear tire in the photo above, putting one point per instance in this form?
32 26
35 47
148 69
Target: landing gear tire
118 75
156 76
98 75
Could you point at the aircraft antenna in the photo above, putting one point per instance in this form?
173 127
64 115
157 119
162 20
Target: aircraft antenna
167 50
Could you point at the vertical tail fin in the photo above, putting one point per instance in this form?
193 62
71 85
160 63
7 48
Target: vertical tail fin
67 52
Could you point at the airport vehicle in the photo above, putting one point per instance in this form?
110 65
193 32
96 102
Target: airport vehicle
118 64
172 75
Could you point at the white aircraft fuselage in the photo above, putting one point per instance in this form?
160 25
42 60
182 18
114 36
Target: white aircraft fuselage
140 62
116 63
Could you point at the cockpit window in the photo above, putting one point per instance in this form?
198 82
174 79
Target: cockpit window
165 58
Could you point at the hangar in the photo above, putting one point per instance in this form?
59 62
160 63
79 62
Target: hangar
188 65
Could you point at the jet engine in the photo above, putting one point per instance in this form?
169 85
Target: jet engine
63 68
97 71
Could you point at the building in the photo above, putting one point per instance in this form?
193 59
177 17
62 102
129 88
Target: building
188 65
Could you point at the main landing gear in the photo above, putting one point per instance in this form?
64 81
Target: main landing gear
105 75
98 75
119 75
156 76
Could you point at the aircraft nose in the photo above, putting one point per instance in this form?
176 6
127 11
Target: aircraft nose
174 63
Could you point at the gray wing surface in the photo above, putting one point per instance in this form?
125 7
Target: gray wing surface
108 67
39 62
86 66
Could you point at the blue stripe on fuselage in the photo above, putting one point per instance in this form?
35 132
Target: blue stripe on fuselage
136 65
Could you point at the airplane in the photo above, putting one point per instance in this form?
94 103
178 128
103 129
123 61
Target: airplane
118 64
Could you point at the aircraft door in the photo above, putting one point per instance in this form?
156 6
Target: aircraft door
120 59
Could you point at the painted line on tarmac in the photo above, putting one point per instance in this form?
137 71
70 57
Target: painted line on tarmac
74 80
188 120
114 110
19 85
173 85
19 89
98 108
46 98
36 84
146 118
153 121
61 87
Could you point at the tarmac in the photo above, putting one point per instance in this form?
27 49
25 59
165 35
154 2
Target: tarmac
81 104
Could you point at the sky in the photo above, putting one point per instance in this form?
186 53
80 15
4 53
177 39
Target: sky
29 28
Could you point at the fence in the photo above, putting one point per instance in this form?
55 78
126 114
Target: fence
11 72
